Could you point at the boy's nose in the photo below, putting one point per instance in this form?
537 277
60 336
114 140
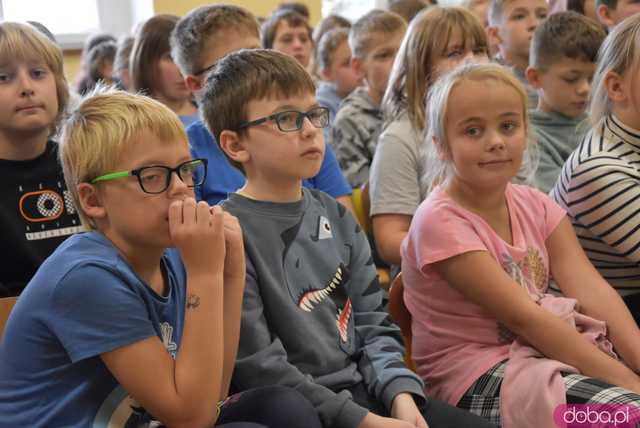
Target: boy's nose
534 21
308 129
584 87
177 187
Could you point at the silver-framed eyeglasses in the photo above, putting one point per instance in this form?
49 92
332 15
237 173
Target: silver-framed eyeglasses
156 179
292 120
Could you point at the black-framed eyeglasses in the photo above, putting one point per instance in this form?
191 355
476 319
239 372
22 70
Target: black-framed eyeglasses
157 178
292 120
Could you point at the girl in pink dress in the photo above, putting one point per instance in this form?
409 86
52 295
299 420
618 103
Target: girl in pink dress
477 263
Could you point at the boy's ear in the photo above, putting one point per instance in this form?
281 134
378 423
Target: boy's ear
193 83
604 15
533 76
493 34
90 201
615 88
234 146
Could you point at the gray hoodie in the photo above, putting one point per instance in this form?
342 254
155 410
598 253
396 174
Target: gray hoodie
312 315
557 136
354 135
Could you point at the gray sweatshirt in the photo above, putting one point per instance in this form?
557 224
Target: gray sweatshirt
328 97
354 135
520 74
557 136
312 316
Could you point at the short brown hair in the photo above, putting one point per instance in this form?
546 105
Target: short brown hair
150 44
565 35
123 52
270 26
244 76
406 8
190 37
329 43
99 56
296 6
329 23
375 21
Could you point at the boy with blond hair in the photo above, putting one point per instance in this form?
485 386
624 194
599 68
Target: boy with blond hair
117 327
611 12
312 313
563 60
37 215
374 39
511 27
199 40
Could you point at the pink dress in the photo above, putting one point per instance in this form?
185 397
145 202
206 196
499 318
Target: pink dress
456 341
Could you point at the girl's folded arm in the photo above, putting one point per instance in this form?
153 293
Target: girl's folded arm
479 277
577 278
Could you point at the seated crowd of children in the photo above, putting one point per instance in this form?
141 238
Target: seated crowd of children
180 231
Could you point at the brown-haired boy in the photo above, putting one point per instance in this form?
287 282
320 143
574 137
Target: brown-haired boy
407 9
333 58
563 57
136 322
312 315
288 31
511 27
612 12
200 39
374 39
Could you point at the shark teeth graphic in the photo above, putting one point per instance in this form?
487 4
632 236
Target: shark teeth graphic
342 320
314 297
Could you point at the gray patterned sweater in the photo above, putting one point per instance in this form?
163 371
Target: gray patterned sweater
312 316
354 135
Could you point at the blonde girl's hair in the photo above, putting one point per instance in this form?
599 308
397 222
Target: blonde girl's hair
23 42
618 54
437 154
428 36
102 129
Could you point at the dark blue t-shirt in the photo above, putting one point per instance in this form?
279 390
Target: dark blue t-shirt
223 179
84 300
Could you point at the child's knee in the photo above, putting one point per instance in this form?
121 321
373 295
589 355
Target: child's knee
286 406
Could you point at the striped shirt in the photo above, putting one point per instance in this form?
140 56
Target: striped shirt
599 187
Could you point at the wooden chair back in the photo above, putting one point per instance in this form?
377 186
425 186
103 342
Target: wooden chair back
401 316
6 304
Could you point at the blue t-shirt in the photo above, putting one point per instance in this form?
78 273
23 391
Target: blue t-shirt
84 300
188 119
223 178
